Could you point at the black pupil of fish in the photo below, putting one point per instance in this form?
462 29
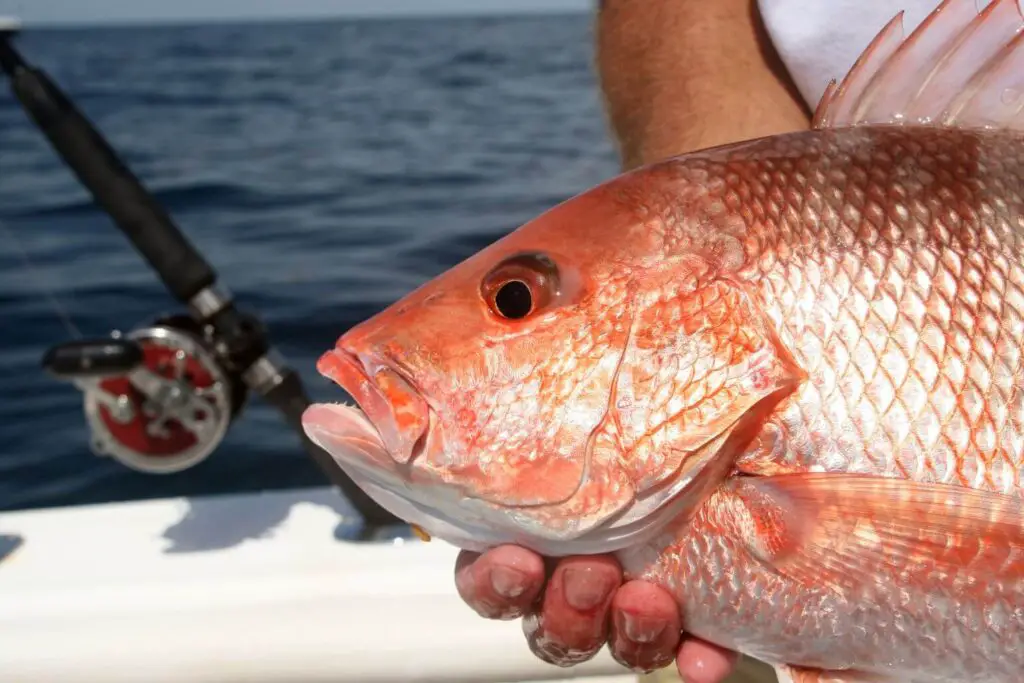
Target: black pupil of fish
514 300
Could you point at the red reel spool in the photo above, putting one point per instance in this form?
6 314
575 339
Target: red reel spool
169 413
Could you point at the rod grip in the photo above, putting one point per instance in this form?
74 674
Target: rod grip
150 229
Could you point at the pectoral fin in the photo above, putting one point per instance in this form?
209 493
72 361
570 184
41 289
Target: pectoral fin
844 531
795 674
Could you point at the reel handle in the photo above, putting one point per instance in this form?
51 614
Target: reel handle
92 359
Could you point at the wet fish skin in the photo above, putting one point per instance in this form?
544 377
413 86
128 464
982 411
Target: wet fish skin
853 319
891 262
781 378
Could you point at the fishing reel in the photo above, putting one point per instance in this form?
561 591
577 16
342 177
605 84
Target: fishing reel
156 399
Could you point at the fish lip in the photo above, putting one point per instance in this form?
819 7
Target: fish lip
352 372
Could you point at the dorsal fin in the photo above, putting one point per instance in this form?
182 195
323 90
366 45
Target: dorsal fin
959 68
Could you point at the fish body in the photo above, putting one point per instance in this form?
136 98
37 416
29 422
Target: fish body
906 314
781 378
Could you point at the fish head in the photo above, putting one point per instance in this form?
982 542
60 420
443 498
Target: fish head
507 400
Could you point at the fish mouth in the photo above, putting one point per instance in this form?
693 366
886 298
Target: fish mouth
378 443
392 419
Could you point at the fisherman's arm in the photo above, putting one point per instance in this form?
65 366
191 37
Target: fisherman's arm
681 75
677 75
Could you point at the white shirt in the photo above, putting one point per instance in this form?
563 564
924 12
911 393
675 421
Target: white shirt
819 40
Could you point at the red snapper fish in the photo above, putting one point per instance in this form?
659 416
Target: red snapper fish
781 378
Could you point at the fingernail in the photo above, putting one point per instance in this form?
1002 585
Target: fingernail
508 582
586 588
642 629
697 663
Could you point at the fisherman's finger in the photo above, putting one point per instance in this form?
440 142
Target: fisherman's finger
701 662
501 583
572 624
645 626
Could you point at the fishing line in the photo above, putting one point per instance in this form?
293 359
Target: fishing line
34 273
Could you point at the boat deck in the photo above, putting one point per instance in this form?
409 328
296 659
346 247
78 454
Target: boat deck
252 587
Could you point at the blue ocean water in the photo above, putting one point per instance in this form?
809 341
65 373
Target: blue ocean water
324 169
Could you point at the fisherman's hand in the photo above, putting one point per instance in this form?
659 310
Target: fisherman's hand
572 607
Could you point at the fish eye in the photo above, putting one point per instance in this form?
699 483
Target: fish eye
513 300
520 286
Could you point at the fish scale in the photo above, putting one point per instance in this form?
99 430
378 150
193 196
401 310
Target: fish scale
875 350
733 600
896 388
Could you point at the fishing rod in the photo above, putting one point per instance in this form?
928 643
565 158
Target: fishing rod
161 398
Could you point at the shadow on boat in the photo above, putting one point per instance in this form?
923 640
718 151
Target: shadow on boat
225 521
8 544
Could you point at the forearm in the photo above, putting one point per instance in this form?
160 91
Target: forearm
680 75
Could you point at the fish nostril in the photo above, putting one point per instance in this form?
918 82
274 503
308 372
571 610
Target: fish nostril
404 307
